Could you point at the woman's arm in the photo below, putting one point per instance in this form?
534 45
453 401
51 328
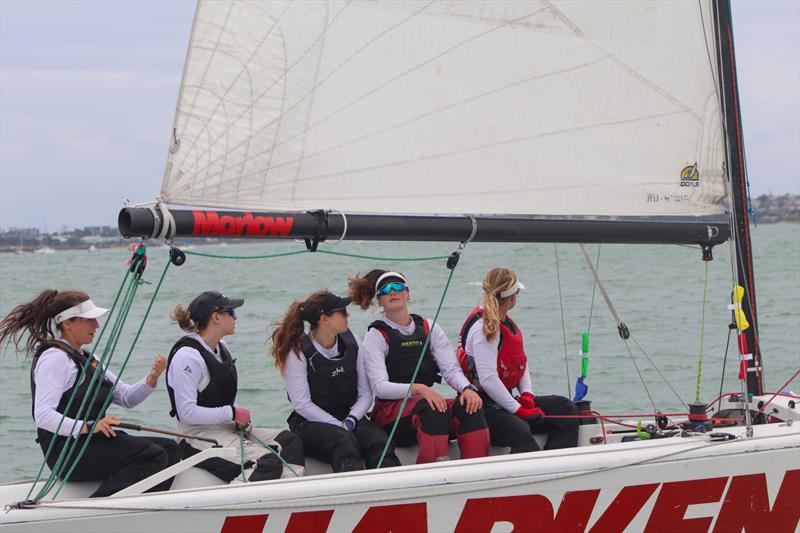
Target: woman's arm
373 351
365 396
54 374
446 359
484 352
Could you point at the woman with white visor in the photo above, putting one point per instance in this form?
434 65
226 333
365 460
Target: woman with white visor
113 457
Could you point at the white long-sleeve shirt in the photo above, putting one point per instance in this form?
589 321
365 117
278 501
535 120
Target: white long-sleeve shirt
295 376
55 373
187 375
484 352
376 348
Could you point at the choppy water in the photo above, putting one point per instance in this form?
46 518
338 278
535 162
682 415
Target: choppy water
657 290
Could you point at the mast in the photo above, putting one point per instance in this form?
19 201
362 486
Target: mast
726 61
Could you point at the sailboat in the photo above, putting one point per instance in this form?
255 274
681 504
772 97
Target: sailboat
536 121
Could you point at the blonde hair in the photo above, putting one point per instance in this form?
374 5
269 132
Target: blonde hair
495 281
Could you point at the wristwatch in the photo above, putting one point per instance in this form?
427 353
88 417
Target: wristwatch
471 387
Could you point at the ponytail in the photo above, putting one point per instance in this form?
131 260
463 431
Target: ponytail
495 281
362 288
35 318
181 315
289 331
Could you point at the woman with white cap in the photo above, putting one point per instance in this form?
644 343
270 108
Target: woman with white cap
492 355
202 383
115 458
327 385
392 349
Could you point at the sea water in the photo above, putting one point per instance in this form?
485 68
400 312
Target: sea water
658 291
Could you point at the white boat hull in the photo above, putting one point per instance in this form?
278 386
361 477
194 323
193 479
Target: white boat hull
678 484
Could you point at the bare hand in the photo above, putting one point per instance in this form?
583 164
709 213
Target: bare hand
103 426
434 399
471 400
156 369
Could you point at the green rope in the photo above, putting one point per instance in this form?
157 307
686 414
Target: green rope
78 379
702 337
416 370
121 370
241 449
93 389
376 258
266 256
273 451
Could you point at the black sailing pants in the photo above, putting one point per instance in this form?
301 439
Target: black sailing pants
118 462
507 429
343 450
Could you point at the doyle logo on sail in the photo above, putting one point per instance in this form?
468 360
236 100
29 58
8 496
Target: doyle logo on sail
210 223
690 177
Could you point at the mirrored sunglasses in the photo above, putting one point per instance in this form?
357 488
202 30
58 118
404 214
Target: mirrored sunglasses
389 287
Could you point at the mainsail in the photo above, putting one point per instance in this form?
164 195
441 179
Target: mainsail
555 108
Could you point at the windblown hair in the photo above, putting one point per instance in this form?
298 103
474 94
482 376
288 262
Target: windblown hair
495 281
362 288
288 332
35 318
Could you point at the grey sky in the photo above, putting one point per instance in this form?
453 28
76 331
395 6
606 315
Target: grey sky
88 90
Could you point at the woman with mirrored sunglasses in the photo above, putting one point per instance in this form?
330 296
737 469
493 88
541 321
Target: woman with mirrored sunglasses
202 383
327 385
392 348
61 370
492 355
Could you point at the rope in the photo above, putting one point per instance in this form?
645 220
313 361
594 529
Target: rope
724 360
702 336
416 370
273 451
563 327
372 257
778 392
594 290
304 251
265 256
121 370
241 450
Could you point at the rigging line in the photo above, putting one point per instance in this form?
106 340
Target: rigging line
119 374
594 290
641 377
274 452
702 335
661 374
708 51
394 79
475 148
600 285
563 327
416 370
408 121
724 360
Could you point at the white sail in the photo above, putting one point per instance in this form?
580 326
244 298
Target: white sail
537 107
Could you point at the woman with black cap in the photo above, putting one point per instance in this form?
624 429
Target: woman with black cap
202 383
492 355
327 385
115 458
392 348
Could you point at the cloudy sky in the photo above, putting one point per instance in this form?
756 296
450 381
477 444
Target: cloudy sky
88 90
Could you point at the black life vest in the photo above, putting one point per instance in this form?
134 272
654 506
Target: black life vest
333 383
223 379
93 410
404 350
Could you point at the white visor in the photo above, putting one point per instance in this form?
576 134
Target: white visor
85 309
388 275
518 286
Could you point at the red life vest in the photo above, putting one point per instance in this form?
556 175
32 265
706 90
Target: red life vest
511 358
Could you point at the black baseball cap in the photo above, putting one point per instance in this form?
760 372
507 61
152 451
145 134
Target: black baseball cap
330 303
203 305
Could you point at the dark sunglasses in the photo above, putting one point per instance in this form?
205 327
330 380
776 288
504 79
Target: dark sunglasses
389 287
228 310
342 311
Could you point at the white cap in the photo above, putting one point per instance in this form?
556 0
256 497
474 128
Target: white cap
85 309
386 275
517 286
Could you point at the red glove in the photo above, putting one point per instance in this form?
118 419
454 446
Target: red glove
526 400
241 415
529 413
